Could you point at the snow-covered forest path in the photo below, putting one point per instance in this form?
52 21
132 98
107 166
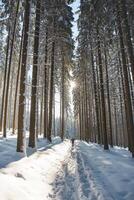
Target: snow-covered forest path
90 173
65 185
59 172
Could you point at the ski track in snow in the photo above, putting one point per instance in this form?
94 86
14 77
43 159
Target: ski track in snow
89 173
75 181
58 172
65 185
89 187
110 174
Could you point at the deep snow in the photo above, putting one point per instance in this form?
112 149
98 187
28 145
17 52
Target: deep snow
58 171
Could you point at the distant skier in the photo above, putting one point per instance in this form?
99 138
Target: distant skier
72 140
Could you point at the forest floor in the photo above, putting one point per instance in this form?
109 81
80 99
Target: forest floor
59 172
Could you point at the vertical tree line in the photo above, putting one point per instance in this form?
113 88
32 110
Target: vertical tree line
105 59
38 38
36 58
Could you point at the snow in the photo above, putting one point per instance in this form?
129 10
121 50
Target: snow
30 177
109 173
59 172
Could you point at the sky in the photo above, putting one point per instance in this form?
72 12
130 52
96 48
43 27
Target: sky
75 7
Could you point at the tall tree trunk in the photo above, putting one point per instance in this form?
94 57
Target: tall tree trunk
46 89
54 132
126 33
17 85
95 96
129 115
32 137
115 122
21 117
51 94
87 131
5 75
9 70
80 128
62 98
108 99
99 103
102 94
41 110
37 119
123 93
9 116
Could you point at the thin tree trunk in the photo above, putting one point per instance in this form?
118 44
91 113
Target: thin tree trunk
102 95
96 97
80 128
46 89
51 94
17 85
41 110
121 102
116 125
9 116
62 99
5 75
108 100
54 132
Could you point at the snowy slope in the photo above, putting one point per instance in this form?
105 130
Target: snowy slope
30 178
57 171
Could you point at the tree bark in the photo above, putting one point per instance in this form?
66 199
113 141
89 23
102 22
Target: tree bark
62 98
128 107
108 99
126 33
5 75
95 96
51 94
17 85
9 70
20 138
102 94
46 89
32 136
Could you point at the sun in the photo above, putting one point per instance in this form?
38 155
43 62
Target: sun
72 85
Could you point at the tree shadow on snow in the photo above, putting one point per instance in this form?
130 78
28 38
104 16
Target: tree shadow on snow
8 152
9 155
49 146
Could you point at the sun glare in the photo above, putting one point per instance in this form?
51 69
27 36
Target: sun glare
73 85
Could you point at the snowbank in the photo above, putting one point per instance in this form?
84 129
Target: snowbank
31 177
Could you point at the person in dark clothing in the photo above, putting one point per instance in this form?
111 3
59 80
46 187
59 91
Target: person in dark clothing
72 140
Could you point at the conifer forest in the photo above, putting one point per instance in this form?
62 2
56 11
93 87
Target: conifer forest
67 99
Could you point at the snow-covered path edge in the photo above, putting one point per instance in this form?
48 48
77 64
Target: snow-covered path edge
59 172
31 177
90 173
111 173
88 187
75 181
